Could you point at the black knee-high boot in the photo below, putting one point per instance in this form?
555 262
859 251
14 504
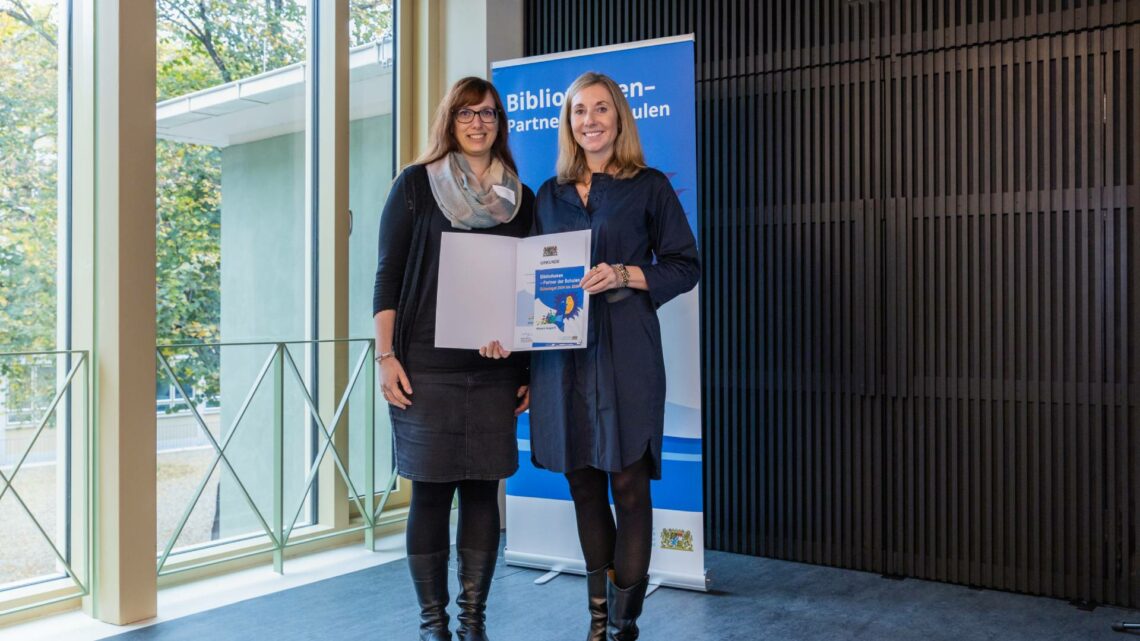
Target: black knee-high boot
429 574
596 590
624 607
476 569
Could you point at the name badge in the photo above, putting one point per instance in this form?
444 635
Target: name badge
504 193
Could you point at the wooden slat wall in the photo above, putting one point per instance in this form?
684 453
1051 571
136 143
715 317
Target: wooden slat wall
1009 228
921 296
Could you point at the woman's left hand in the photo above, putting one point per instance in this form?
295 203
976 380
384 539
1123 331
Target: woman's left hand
600 278
524 399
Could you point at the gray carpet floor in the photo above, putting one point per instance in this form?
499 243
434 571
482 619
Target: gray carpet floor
752 598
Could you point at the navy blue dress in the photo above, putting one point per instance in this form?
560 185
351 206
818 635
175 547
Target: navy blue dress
604 406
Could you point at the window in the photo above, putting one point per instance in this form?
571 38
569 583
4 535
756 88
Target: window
36 461
371 170
232 257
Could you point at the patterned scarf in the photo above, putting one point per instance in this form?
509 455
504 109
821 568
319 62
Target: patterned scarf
469 203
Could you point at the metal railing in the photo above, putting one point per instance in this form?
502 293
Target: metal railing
77 512
277 524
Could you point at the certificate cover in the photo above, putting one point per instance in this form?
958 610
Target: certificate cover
522 292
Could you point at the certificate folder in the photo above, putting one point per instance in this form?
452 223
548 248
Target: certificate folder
522 292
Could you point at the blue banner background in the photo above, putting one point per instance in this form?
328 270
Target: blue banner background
659 76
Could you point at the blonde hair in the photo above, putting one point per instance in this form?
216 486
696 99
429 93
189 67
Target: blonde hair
627 158
441 138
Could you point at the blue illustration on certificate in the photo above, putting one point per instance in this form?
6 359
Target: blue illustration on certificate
550 269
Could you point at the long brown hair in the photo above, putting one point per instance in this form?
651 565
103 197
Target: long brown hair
627 157
467 91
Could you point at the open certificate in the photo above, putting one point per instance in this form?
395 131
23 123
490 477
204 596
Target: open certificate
522 292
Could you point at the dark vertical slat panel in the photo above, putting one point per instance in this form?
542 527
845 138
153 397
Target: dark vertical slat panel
737 331
767 204
783 520
1116 441
832 291
854 517
869 104
721 294
1071 229
944 119
930 427
1038 345
1012 214
1130 262
1125 253
1000 251
1057 228
1029 270
938 267
798 308
756 292
1046 121
975 222
729 311
957 272
1098 576
815 228
985 236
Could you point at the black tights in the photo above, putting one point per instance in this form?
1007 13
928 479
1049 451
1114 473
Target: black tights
429 518
625 544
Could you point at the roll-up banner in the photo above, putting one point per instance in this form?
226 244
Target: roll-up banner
656 77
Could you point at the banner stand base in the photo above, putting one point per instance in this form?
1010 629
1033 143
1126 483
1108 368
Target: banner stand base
556 566
553 574
547 578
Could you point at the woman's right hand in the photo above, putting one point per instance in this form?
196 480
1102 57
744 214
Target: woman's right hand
394 383
495 350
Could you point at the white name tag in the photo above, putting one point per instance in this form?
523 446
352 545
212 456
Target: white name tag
503 192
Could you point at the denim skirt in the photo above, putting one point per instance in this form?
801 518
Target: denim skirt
460 426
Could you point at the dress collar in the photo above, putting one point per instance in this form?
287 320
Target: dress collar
599 183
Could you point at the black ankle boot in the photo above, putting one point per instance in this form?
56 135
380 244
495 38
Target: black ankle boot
476 569
624 607
429 574
596 590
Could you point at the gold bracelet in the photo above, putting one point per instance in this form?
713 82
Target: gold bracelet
383 355
623 273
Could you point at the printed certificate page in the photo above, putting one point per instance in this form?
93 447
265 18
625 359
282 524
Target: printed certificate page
475 300
487 291
551 310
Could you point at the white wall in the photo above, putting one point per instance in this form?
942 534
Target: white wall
477 33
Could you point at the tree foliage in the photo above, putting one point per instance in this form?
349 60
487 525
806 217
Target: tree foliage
28 176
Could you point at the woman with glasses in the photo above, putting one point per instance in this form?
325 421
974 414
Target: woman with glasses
453 413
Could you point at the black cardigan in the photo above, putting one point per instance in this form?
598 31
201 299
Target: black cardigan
407 272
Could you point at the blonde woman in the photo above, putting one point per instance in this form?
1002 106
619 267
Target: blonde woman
453 413
597 414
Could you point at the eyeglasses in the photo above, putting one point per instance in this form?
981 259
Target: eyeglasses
487 115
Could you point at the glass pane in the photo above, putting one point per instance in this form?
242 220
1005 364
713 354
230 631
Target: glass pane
32 459
370 177
231 253
31 316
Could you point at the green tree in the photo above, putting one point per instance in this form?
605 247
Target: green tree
28 176
211 42
188 259
28 202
